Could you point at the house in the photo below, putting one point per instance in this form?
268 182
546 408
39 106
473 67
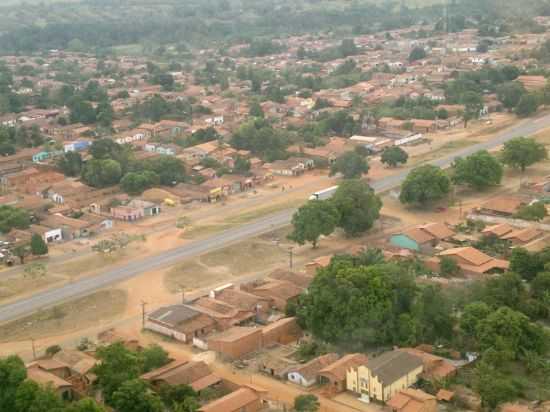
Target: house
223 313
196 374
520 237
245 301
49 234
236 342
70 228
474 262
283 331
293 166
244 399
505 206
61 387
532 83
335 374
423 126
422 238
498 230
306 375
135 210
279 292
412 400
180 322
76 146
299 279
435 367
385 375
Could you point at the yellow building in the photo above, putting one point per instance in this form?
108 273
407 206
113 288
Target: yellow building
384 375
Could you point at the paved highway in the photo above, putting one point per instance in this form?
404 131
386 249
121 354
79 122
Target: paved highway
82 287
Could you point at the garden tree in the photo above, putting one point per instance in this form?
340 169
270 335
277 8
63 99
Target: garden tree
13 217
541 287
479 171
448 267
522 152
330 308
526 264
351 164
306 403
505 290
21 251
315 218
12 374
165 80
102 173
418 53
534 212
179 398
241 166
7 149
118 365
38 245
511 333
105 114
258 136
135 396
256 110
169 169
81 111
527 105
135 183
30 396
85 405
510 94
433 315
493 387
425 184
472 315
70 164
104 148
153 357
473 104
357 205
394 155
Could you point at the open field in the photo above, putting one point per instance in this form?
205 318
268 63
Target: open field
78 314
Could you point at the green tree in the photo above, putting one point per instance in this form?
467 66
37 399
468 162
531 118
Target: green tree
306 403
85 405
534 212
418 53
169 169
525 264
13 217
493 387
117 366
357 205
102 173
473 104
256 110
394 155
12 374
510 94
425 184
153 357
522 152
479 171
241 166
448 267
38 245
135 396
351 164
135 183
527 105
179 398
472 315
31 397
541 286
70 164
315 218
433 314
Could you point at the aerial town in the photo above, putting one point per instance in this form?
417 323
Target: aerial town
310 222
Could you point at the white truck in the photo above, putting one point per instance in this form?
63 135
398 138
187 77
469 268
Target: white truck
324 194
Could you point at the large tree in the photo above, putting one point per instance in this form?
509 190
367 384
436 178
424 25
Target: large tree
85 405
13 217
102 173
12 375
522 152
153 357
478 171
70 164
358 206
424 185
135 396
351 164
315 218
306 403
394 155
510 94
38 245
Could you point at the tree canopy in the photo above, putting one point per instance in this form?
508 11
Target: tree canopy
479 171
351 164
425 184
523 152
13 217
393 156
315 218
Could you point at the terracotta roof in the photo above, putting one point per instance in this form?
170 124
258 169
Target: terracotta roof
438 230
498 230
240 298
504 204
298 279
235 401
184 373
46 378
339 368
280 289
523 235
444 395
409 400
434 366
418 235
235 334
468 253
514 407
310 369
77 361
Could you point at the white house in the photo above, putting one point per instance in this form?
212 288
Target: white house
306 375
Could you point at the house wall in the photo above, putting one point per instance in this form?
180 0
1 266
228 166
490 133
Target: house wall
298 379
285 333
238 348
54 235
163 330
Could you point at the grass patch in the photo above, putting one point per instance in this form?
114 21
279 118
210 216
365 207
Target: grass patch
14 286
78 314
268 210
195 274
97 261
445 149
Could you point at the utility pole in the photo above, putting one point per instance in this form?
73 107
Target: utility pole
143 304
290 256
33 349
